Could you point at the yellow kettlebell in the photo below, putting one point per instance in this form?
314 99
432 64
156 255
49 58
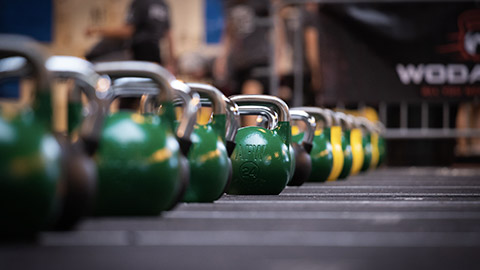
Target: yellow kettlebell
334 133
356 143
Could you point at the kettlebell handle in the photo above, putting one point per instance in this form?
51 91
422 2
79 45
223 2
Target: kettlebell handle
86 78
233 124
365 124
233 118
191 99
267 112
380 127
345 121
141 69
333 116
317 113
278 105
309 120
213 94
16 45
218 101
132 87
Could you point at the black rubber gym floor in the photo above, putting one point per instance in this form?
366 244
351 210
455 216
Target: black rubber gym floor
406 218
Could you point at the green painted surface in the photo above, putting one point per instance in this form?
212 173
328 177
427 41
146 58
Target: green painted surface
75 116
209 162
321 156
367 149
30 167
382 149
261 160
138 164
347 153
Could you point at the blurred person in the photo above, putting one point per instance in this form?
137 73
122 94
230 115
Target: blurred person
194 67
293 18
146 26
244 59
312 51
468 117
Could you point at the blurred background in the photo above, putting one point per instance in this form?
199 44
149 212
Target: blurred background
413 65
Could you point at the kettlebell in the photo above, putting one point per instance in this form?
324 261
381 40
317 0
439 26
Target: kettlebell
40 170
346 125
366 142
374 140
208 157
81 172
334 133
321 154
139 156
135 87
382 148
357 147
303 162
261 159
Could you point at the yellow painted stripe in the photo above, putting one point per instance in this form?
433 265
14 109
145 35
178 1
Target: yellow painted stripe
338 158
375 152
357 150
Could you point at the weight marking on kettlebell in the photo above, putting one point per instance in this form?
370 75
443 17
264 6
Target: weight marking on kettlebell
249 152
249 171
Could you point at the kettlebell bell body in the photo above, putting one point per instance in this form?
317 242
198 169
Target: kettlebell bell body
31 168
375 151
357 149
334 134
367 148
346 125
261 160
208 157
141 179
382 148
321 154
348 157
139 155
30 159
367 144
301 151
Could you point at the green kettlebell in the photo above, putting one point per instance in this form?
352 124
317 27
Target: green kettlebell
261 159
39 169
346 146
356 143
321 154
191 100
367 145
30 159
267 116
232 125
382 147
81 184
133 88
139 156
208 157
303 161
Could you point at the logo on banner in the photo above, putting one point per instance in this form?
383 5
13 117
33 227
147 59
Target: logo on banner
469 34
454 79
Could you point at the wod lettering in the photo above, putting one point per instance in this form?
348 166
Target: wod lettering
252 152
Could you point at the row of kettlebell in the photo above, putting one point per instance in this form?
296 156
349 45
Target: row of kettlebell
123 163
143 162
343 145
